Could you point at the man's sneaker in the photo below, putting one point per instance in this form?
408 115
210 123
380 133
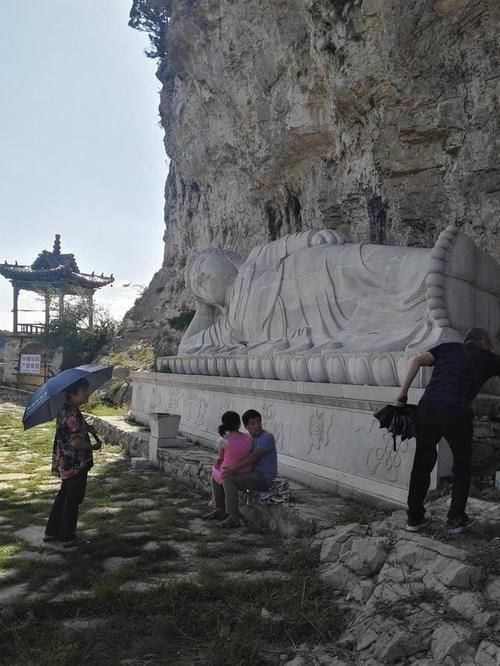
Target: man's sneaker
413 526
459 525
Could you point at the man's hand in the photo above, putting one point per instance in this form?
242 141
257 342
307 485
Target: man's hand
401 399
229 471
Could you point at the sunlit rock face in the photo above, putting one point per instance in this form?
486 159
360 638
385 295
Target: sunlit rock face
374 117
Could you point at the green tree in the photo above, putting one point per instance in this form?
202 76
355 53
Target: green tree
151 16
71 333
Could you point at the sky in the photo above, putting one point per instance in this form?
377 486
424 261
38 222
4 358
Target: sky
81 150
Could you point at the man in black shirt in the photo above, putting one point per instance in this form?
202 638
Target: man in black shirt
445 410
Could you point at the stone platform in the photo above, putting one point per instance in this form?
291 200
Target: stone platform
326 434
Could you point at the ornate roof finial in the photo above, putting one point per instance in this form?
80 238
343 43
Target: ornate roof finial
57 244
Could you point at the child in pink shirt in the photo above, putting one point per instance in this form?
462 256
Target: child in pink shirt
233 446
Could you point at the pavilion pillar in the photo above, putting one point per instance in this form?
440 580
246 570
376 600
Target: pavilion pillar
47 312
91 309
15 308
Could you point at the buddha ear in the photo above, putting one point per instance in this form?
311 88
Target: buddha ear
235 259
327 237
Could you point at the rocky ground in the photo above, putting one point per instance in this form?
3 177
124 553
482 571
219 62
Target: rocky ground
154 584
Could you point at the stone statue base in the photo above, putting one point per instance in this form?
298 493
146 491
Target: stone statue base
370 369
326 434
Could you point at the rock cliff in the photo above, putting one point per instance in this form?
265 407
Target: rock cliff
376 117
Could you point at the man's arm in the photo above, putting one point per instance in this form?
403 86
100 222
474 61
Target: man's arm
250 459
424 359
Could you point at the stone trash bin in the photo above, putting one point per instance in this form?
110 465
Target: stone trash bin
164 425
164 433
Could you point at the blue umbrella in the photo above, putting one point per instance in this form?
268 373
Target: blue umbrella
47 400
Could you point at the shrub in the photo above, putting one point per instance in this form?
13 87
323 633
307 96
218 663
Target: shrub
79 343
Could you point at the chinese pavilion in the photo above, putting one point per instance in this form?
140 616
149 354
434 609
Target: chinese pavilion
51 275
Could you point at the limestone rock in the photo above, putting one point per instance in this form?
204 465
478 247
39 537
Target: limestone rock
377 118
388 640
488 654
493 589
336 540
366 556
452 640
466 603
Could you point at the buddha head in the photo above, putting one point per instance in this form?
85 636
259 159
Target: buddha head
211 273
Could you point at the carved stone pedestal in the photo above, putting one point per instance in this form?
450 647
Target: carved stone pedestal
326 434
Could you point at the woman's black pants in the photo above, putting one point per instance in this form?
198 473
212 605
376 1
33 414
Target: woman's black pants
64 513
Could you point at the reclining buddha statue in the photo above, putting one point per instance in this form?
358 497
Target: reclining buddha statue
313 296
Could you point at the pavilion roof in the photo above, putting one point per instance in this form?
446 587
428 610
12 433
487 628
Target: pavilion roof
54 269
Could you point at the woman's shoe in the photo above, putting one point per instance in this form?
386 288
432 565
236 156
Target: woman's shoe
73 543
215 515
49 538
230 523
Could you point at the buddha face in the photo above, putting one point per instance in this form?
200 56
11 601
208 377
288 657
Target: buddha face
210 276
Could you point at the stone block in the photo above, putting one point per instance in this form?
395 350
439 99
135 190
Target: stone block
138 464
173 443
164 425
157 443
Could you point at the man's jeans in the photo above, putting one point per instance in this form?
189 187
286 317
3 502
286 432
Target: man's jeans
434 421
64 514
226 496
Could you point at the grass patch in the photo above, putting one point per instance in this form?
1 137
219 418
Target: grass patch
139 357
207 621
212 623
206 550
98 408
357 512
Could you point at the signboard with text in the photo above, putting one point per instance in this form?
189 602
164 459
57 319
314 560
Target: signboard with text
31 364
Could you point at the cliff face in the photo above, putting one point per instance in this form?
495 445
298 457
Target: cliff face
376 117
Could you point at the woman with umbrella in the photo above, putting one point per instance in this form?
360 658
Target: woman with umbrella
72 459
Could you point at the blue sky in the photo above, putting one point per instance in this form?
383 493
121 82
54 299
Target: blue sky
81 150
